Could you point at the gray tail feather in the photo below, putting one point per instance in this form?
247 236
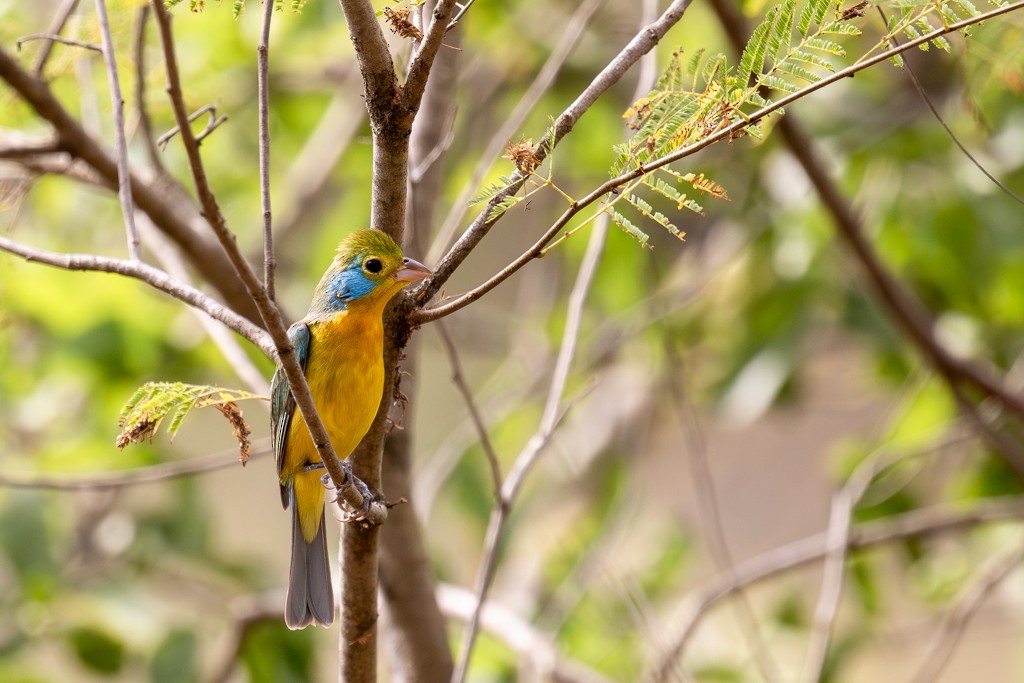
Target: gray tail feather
310 595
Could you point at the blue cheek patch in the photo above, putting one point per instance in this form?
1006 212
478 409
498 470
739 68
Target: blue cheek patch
351 285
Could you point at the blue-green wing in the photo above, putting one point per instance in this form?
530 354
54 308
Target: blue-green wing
282 403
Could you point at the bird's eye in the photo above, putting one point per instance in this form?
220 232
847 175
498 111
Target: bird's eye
373 265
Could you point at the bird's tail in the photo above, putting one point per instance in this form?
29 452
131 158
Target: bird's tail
310 595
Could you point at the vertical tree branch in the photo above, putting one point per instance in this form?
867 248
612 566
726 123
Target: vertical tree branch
262 87
124 179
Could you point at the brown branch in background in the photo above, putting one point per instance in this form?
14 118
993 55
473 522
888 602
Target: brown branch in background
124 179
60 19
167 204
145 124
459 380
930 521
154 277
213 121
57 38
263 95
968 604
140 475
571 35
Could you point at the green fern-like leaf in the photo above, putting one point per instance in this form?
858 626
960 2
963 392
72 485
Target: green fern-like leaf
628 227
502 206
812 14
153 402
486 193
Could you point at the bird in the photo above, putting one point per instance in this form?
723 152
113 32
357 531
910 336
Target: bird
340 347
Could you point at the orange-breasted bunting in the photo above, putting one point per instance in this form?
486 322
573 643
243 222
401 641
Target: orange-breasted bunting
340 346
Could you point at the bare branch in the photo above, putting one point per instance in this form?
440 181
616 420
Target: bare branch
212 123
56 38
154 277
139 42
263 93
529 644
165 202
132 477
970 601
124 179
64 12
459 380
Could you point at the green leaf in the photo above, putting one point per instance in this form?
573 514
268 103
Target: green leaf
175 658
628 226
97 650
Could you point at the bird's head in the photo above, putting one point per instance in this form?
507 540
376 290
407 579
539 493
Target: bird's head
369 269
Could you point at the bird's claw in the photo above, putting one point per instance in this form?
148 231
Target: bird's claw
351 513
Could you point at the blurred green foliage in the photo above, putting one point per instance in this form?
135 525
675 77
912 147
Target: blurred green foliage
145 583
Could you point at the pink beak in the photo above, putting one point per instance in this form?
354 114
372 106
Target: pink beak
411 271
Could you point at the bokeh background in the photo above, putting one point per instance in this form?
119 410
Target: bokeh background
723 388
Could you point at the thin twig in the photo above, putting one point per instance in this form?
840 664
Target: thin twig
459 380
148 139
154 277
942 121
481 225
564 47
124 178
463 8
56 38
56 26
263 94
213 121
140 475
970 601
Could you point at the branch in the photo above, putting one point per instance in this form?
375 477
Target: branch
419 69
644 41
140 475
545 77
524 639
930 521
166 204
56 26
459 380
57 38
479 227
970 601
263 94
148 138
154 277
124 179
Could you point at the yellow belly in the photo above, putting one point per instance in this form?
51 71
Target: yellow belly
345 371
